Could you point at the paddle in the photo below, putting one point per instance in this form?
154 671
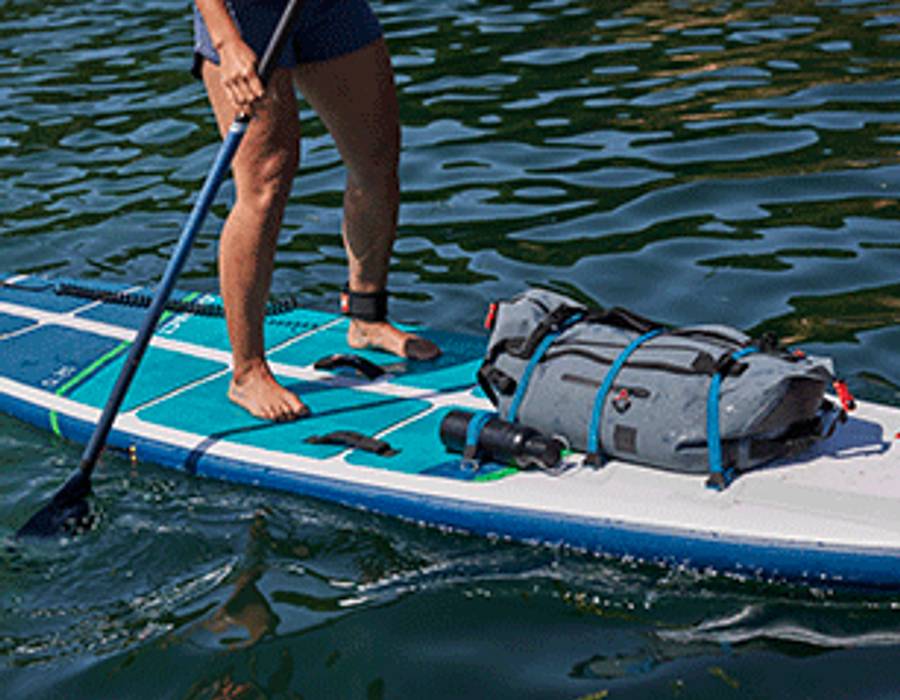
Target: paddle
68 510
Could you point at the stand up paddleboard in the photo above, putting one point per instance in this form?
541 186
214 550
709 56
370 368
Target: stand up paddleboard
832 515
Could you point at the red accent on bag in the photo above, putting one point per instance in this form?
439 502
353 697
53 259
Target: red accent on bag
847 401
491 317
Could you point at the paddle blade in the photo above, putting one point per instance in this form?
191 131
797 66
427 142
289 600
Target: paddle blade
67 513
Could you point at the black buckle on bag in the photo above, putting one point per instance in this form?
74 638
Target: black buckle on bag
768 343
727 366
594 460
719 481
552 323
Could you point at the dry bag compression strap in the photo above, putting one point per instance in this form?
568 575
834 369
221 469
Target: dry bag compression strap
549 332
719 478
531 347
594 457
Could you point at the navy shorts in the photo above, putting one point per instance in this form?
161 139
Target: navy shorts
325 29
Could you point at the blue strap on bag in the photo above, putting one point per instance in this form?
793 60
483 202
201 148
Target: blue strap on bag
719 478
594 457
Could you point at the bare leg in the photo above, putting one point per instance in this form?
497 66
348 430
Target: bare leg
263 170
354 95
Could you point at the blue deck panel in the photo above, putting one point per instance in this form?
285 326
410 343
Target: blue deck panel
49 356
39 295
12 324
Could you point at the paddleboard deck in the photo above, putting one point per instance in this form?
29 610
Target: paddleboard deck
833 514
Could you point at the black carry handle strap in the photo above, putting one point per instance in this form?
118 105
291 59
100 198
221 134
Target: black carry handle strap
483 376
360 364
562 315
350 438
621 318
554 322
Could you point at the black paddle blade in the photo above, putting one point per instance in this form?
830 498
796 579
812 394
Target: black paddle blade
67 513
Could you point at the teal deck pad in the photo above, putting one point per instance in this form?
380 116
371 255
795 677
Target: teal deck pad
449 377
461 356
201 329
322 343
454 369
207 331
206 410
160 372
417 443
114 314
125 313
210 331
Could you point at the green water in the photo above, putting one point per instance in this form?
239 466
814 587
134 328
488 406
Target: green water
694 161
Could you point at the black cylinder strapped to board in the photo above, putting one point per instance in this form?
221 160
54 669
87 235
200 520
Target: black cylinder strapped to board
498 440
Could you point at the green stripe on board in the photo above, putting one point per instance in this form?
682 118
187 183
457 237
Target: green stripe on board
98 363
499 474
81 376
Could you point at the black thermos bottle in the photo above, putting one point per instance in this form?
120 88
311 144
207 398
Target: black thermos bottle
502 441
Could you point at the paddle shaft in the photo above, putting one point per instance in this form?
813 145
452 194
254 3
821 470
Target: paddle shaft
195 220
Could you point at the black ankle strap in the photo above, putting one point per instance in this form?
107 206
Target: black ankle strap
366 306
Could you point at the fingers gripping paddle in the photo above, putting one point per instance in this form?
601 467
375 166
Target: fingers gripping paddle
68 510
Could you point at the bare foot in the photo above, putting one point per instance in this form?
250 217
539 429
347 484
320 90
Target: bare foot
383 336
254 389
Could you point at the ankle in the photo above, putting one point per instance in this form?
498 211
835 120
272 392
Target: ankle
358 325
246 370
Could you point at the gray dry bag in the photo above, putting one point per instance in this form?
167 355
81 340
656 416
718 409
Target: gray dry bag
612 384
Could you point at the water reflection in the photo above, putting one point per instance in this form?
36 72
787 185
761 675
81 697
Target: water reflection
246 608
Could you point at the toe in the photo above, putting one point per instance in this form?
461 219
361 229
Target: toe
416 348
294 408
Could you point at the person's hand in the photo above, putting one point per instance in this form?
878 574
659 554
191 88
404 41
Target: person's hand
239 77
